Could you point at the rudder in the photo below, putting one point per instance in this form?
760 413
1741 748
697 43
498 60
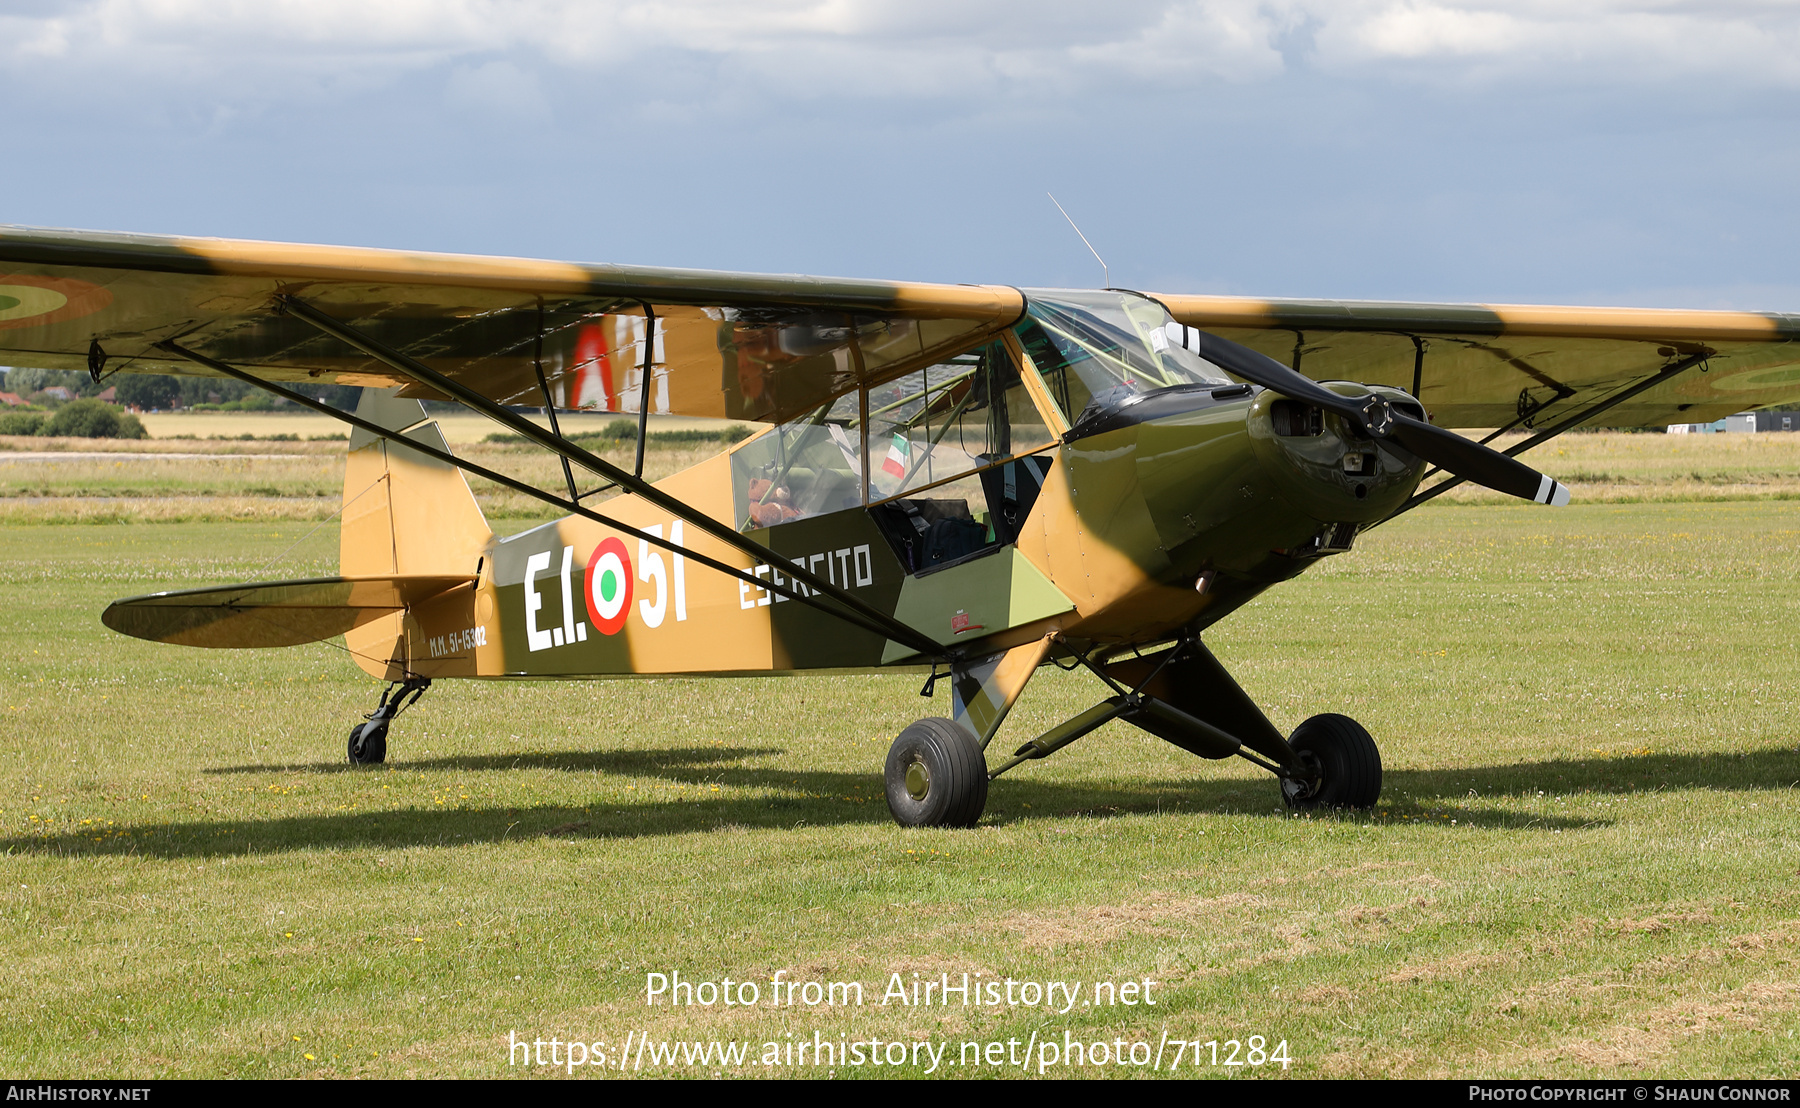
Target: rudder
404 514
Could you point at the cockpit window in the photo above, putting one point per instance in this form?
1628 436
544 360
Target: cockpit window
938 430
1095 350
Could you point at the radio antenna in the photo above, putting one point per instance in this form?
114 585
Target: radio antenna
1105 273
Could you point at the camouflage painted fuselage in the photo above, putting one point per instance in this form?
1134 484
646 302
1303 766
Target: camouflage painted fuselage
1170 519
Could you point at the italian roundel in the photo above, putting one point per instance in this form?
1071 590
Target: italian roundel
608 588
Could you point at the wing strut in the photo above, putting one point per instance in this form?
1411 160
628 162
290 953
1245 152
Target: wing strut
874 622
558 445
1558 428
537 366
644 391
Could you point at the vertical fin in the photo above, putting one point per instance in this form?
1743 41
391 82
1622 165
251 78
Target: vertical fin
404 513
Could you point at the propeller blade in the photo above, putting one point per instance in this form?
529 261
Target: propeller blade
1260 369
1472 461
1447 450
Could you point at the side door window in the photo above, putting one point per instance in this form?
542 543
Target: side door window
943 479
808 467
947 460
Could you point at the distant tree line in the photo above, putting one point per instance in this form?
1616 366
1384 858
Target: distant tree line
160 392
86 418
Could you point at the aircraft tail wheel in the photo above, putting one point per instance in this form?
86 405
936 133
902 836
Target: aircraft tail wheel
1344 754
936 776
368 743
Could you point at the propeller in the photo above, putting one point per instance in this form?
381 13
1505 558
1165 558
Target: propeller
1388 426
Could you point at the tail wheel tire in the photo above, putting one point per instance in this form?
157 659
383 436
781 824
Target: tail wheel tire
936 776
368 744
1347 762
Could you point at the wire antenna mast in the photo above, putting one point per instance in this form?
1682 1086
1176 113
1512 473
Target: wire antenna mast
1105 273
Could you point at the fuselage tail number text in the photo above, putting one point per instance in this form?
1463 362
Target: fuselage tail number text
609 584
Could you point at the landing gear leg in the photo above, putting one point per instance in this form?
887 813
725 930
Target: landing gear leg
368 741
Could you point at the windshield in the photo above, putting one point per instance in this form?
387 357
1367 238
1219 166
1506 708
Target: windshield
1095 350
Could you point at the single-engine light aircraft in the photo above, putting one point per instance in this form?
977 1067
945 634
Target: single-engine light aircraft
969 481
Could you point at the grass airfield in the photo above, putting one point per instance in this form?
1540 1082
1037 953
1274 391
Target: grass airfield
1584 862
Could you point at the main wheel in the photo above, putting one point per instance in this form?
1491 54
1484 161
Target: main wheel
936 776
368 744
1348 764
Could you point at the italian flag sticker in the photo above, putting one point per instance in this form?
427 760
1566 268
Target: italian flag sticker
608 586
898 451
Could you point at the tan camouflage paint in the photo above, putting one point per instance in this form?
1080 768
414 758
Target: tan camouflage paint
1479 358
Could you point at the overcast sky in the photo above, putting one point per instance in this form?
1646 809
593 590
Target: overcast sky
1560 151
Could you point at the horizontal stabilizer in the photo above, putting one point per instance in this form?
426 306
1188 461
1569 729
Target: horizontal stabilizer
277 613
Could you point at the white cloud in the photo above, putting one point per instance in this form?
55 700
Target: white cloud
1431 30
906 48
1594 41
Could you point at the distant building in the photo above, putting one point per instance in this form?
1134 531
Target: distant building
59 392
1742 423
11 399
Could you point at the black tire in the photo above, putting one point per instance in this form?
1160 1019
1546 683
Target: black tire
936 776
1349 765
368 744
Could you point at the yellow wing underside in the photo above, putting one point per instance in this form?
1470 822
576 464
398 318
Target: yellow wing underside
772 347
725 345
1490 365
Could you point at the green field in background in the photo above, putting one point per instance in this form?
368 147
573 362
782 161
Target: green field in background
1584 862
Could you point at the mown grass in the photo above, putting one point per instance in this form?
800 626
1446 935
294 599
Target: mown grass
1622 468
1583 863
183 481
264 479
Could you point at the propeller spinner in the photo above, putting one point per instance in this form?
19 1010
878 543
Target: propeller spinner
1389 427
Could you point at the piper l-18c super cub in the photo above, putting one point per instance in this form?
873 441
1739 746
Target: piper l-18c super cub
972 481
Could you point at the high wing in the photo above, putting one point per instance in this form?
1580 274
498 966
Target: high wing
771 348
1478 365
739 346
